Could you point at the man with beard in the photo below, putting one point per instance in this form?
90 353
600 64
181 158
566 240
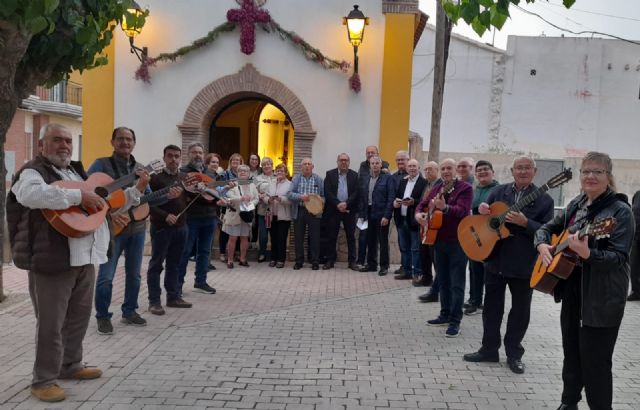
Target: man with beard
61 269
130 241
168 236
201 224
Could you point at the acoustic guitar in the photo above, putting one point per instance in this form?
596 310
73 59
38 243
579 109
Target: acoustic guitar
76 222
192 183
478 234
545 278
435 216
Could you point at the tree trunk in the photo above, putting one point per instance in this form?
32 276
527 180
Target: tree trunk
13 46
443 36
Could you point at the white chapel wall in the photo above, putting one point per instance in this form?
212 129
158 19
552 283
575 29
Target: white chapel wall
344 121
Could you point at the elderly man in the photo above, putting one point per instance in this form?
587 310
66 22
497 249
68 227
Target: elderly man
61 269
407 196
303 185
341 193
510 264
432 177
201 224
376 199
464 169
453 198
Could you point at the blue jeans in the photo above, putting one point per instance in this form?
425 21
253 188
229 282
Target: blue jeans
263 235
167 243
132 246
201 235
409 242
451 263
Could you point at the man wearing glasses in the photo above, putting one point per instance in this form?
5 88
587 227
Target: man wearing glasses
510 264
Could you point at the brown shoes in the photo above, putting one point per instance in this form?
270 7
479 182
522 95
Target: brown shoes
86 373
50 393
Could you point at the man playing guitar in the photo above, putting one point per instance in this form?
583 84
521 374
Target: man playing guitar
450 260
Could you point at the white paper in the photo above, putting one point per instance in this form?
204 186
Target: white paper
362 224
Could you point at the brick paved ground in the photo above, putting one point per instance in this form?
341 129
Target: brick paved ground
284 339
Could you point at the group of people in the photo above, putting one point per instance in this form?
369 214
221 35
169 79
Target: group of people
259 200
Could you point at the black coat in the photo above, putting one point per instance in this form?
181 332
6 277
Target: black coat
416 194
605 274
331 191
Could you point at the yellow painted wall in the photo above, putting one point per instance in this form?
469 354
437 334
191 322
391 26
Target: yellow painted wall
238 115
396 84
98 92
271 136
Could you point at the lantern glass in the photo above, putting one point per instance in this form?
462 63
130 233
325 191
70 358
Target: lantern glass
130 22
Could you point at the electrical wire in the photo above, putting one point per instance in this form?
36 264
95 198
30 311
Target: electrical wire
577 32
592 12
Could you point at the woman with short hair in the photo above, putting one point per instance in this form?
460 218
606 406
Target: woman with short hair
280 207
241 201
262 183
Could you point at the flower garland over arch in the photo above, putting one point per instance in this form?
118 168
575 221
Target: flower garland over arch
247 17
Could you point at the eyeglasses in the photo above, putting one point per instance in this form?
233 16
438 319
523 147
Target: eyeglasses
523 168
595 172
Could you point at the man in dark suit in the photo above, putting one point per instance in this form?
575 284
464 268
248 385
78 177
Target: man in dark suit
341 195
407 196
376 204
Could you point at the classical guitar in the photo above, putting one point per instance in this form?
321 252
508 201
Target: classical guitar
478 234
435 216
75 222
545 278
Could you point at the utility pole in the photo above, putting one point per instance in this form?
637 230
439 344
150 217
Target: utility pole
443 37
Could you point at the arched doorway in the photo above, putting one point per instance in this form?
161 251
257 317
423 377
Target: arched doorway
253 126
248 84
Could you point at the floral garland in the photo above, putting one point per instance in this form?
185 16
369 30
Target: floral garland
248 46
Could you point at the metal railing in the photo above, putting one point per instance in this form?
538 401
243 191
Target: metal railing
63 92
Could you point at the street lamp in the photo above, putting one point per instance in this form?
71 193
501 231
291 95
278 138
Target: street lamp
355 22
132 22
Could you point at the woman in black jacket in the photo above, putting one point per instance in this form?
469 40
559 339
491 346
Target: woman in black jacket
594 296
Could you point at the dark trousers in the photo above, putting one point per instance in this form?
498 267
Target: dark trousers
377 236
518 320
199 234
476 282
279 233
305 222
426 264
362 246
451 263
588 353
635 264
62 304
167 244
348 220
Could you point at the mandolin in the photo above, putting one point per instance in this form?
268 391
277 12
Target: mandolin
545 278
478 234
76 222
435 216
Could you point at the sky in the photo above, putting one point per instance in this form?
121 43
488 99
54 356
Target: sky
617 17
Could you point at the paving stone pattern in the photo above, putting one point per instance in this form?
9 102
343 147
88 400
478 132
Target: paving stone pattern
284 339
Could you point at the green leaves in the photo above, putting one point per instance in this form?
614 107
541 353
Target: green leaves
481 15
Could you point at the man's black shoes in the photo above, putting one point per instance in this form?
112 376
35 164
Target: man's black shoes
568 407
515 365
428 297
477 357
383 271
315 266
327 266
297 266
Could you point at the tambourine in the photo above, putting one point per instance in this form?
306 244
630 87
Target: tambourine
315 204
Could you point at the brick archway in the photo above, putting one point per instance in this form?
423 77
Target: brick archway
247 83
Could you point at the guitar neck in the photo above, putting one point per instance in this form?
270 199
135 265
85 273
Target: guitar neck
518 206
155 194
565 244
124 181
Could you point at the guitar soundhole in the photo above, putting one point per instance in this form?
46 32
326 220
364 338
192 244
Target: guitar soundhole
101 191
494 223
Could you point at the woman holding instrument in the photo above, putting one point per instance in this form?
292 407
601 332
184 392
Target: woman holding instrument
593 297
235 160
241 198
